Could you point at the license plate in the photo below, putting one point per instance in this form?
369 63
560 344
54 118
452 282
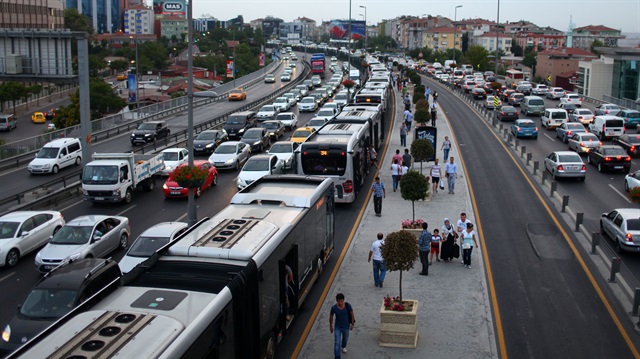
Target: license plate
618 167
49 267
99 198
218 164
174 192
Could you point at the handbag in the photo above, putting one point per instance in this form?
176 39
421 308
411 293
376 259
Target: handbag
456 250
441 184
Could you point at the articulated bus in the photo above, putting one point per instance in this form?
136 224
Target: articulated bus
339 151
227 289
365 112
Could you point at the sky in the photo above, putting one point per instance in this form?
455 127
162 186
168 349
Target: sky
618 14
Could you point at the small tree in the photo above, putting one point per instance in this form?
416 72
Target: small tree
421 150
400 251
422 115
422 103
414 187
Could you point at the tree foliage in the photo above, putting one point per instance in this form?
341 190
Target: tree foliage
478 56
515 48
75 21
400 251
422 115
414 187
421 150
594 44
13 91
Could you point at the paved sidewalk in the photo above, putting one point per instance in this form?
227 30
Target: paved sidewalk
454 314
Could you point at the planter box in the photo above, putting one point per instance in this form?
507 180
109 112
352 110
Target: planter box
416 232
399 329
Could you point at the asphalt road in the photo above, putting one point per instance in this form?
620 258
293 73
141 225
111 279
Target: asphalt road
550 300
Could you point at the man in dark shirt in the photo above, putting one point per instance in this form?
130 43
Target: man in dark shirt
345 320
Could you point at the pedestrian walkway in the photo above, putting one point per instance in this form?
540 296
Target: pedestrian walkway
454 313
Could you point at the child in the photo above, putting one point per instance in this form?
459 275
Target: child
435 245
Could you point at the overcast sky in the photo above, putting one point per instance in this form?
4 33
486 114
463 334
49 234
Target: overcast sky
617 14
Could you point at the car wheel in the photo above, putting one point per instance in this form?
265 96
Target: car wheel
601 136
55 230
128 196
237 167
215 181
602 232
555 176
599 167
78 161
12 258
618 247
589 159
582 179
124 241
261 147
55 169
89 256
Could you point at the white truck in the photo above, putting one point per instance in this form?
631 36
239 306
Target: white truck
112 177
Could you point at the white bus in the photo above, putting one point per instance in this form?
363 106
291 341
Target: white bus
227 289
512 77
369 112
339 151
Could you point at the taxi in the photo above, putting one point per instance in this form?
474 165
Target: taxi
300 135
238 94
38 117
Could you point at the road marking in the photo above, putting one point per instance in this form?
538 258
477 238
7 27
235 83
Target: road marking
71 205
620 193
549 137
7 276
128 209
181 217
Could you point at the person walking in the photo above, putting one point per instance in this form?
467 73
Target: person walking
397 157
345 320
434 114
373 156
468 242
449 236
379 268
427 92
435 97
435 245
403 134
408 119
378 194
407 160
396 172
452 174
446 147
435 176
424 244
461 226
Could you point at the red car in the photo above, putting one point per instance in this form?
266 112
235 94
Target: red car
171 188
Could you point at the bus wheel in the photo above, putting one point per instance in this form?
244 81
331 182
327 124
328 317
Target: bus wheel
271 347
320 266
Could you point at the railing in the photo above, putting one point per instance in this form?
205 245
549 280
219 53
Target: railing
624 102
69 185
18 153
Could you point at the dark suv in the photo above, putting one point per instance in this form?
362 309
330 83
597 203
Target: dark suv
239 122
149 132
57 293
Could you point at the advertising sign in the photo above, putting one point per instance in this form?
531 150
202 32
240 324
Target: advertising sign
131 85
170 7
229 68
261 59
429 133
339 29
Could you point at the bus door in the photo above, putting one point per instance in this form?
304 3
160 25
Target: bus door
289 285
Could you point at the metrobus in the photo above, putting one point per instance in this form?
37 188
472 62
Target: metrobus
227 289
369 112
512 77
339 151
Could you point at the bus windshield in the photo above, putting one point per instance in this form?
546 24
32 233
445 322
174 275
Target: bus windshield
333 163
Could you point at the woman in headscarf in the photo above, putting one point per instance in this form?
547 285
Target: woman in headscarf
448 234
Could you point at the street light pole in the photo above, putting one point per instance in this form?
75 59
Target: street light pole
365 27
349 42
455 32
497 36
192 215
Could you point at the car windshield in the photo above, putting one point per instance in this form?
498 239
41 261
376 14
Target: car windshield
328 113
575 126
633 115
8 229
48 152
267 109
634 139
307 100
256 165
225 149
252 134
633 224
589 137
536 102
270 125
235 120
284 117
48 303
614 151
558 115
170 156
236 91
281 148
584 112
527 124
508 109
72 235
316 122
281 100
302 133
147 126
146 246
100 174
206 136
569 158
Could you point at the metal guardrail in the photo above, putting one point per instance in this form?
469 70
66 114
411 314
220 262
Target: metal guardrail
69 185
18 153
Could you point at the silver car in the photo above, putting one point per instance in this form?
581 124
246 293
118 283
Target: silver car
623 226
92 236
24 231
583 142
565 164
231 154
149 242
285 150
582 115
289 119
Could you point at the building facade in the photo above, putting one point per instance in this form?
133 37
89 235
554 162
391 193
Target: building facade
539 42
442 38
551 63
138 20
594 78
583 37
32 14
615 74
105 15
205 24
488 41
271 27
171 26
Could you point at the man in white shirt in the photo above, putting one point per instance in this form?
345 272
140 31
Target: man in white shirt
451 171
435 176
460 227
379 268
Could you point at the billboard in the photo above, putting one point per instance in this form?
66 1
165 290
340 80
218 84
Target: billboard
229 68
132 86
430 134
339 29
169 7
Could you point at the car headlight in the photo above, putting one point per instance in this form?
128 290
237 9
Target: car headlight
164 186
257 143
230 160
147 135
133 135
241 130
46 166
209 145
73 257
6 333
168 168
38 257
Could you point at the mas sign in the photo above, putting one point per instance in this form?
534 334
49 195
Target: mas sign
174 7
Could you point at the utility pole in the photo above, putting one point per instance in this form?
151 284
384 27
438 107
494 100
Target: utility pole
365 27
455 32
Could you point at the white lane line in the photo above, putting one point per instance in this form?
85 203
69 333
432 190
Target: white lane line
7 276
620 193
128 209
181 217
71 205
549 137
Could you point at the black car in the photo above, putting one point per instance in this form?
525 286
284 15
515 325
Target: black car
206 141
50 115
57 293
239 122
508 113
275 128
610 157
257 138
630 143
149 132
479 93
487 88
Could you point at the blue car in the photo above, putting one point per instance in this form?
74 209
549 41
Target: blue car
524 128
631 118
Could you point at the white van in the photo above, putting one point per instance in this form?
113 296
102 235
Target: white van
57 154
354 75
8 122
554 117
607 126
532 105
